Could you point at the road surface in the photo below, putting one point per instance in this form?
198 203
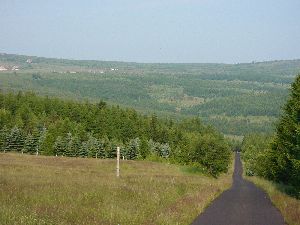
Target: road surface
242 204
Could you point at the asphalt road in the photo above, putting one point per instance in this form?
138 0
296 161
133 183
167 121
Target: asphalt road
242 204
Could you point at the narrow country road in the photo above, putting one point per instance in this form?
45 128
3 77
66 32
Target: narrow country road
242 204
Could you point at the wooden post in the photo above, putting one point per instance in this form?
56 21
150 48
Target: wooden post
96 155
118 161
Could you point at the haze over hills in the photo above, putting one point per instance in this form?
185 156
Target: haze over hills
144 112
236 98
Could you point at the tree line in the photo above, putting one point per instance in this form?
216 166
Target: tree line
50 126
277 157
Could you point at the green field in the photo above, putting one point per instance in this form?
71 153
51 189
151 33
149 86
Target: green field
236 98
62 190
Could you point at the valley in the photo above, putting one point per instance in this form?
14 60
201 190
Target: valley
237 99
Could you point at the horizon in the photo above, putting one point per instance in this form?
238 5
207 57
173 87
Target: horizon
177 31
252 62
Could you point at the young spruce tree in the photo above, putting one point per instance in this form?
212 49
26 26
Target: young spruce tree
31 143
60 146
15 140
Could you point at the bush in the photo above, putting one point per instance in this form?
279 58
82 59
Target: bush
211 152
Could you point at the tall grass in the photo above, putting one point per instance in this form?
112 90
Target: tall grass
60 190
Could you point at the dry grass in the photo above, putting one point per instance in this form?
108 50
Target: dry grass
288 206
55 190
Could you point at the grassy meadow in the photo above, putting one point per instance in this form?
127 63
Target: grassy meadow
288 206
61 190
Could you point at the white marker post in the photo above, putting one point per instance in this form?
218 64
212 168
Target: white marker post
118 161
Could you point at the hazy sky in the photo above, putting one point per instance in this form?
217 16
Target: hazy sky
227 31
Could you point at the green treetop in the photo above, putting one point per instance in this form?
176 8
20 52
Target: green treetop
286 145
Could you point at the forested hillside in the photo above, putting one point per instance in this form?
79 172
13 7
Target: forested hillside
48 126
237 99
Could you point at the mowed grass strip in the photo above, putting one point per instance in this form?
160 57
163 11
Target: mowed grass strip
60 190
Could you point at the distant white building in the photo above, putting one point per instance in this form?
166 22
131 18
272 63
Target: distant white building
14 68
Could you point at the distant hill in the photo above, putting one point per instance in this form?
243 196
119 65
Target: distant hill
236 98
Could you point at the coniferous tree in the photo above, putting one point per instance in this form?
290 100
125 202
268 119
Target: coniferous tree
286 146
5 117
123 152
110 148
153 128
133 149
3 135
47 146
101 150
69 145
144 148
60 146
73 147
15 140
38 139
93 146
41 138
118 127
83 151
154 147
31 144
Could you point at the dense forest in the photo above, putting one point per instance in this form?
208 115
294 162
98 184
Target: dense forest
50 126
277 157
237 99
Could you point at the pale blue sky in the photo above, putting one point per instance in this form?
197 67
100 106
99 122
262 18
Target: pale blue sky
226 31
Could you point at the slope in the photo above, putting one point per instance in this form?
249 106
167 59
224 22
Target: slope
237 99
